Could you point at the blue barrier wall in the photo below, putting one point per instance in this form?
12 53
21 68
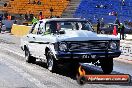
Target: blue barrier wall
87 9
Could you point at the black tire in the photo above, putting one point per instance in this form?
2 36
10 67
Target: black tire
51 62
28 57
81 80
74 68
107 65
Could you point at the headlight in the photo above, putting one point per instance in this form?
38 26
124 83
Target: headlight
62 46
113 45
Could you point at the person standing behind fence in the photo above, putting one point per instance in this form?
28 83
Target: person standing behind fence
98 26
123 2
122 32
102 23
34 22
118 23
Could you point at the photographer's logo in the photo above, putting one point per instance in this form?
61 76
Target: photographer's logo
82 78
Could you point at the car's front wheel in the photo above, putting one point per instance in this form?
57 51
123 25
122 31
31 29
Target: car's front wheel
107 65
28 57
51 62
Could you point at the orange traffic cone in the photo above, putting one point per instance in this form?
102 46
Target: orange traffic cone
115 31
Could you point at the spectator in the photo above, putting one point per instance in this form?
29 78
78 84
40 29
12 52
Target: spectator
126 22
9 17
98 26
26 17
40 17
105 6
121 27
39 2
117 21
101 6
51 11
102 22
97 6
123 2
113 13
35 20
34 2
28 1
8 24
5 4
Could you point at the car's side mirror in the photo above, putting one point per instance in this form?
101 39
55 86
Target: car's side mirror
61 32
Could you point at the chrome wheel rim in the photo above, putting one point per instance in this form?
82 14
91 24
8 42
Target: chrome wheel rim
26 54
50 64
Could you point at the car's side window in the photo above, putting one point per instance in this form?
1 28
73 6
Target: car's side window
47 29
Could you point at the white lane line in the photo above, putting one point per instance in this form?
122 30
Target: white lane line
25 75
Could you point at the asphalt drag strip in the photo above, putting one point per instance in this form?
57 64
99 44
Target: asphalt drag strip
18 76
37 74
60 79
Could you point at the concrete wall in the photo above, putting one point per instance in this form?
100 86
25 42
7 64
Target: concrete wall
20 30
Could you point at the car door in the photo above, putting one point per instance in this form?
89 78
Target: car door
43 40
38 41
31 38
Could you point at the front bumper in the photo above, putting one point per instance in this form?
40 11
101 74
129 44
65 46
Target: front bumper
87 55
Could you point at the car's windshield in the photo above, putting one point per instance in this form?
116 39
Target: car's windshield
68 25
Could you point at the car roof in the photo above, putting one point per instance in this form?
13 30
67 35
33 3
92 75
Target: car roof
63 19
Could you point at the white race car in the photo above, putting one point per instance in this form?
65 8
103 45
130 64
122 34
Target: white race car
70 40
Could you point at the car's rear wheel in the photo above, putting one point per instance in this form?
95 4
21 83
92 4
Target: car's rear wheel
107 65
51 62
28 57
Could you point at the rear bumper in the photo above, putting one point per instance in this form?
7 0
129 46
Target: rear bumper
86 55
